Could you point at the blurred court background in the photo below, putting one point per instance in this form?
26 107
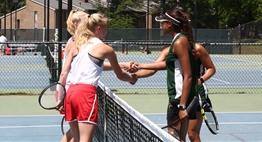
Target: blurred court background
235 91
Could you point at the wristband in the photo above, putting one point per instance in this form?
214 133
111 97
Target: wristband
181 107
202 80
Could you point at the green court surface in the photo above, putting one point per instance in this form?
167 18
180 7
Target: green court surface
153 104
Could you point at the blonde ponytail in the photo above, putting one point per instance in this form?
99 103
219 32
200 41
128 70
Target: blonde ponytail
87 28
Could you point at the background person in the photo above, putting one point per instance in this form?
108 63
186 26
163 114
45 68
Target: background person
3 40
73 20
205 70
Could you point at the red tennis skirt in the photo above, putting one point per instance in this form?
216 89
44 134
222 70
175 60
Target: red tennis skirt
81 103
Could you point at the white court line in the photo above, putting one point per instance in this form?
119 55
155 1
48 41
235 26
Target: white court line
220 80
48 126
31 116
238 59
228 123
33 126
22 116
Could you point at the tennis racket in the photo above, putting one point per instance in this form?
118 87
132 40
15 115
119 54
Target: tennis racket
208 115
192 104
52 97
64 126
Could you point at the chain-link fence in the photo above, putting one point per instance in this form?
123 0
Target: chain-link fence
248 32
127 34
32 66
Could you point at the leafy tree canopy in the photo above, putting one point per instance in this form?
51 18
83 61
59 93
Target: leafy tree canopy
119 12
10 5
234 12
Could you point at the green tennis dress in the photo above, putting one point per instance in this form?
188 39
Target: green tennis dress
175 74
202 90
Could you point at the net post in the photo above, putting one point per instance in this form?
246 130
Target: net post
104 107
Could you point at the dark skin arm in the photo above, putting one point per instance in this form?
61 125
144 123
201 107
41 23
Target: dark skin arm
151 68
146 73
180 49
207 63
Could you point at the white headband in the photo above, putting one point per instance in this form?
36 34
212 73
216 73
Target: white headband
172 18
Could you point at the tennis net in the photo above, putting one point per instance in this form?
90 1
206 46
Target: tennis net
119 122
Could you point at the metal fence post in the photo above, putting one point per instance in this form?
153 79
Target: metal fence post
239 50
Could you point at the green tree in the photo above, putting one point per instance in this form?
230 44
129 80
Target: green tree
206 17
234 12
10 5
120 12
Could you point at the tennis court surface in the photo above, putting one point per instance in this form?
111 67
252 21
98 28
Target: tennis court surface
123 123
234 127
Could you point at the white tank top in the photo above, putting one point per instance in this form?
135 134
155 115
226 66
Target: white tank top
83 69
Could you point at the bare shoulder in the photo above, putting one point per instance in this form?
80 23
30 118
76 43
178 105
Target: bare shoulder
181 41
73 50
69 46
200 48
105 47
101 50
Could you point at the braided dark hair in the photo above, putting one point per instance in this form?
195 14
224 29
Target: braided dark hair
184 26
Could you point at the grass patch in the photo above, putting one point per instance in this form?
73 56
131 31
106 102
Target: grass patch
248 49
18 93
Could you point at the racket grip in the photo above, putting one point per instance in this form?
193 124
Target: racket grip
59 93
192 104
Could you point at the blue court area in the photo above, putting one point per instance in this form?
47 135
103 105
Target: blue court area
237 127
30 72
23 72
231 70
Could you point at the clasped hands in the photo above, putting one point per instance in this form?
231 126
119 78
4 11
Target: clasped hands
132 68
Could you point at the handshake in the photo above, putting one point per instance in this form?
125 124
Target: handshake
131 67
148 69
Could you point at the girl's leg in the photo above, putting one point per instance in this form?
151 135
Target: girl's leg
68 137
75 130
183 131
194 128
86 131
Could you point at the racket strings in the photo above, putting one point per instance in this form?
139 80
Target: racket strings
52 97
211 120
175 133
208 115
48 99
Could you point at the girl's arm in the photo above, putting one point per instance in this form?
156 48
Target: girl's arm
149 72
181 50
109 53
123 65
67 66
207 63
151 66
146 73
